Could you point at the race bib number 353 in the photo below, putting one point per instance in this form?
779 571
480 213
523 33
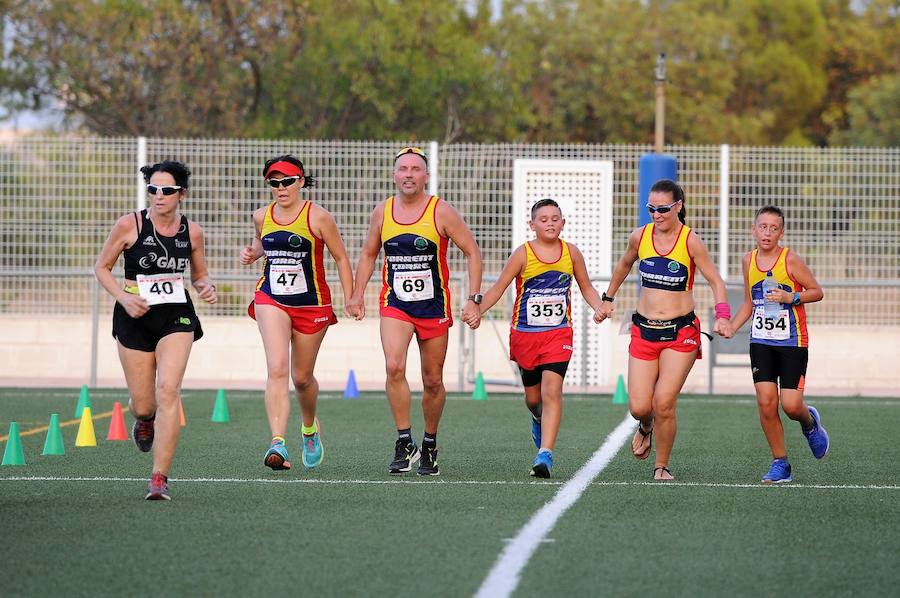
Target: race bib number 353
546 311
774 329
161 288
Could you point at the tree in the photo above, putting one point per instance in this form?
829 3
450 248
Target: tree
873 113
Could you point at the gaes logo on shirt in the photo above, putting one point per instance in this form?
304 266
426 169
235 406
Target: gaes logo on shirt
295 241
420 243
563 278
673 266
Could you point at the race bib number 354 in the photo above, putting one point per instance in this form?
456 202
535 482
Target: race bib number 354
161 288
774 329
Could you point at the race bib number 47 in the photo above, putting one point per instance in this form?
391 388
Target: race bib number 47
161 288
546 311
773 329
417 285
287 279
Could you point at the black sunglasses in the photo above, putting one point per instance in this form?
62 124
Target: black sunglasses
285 182
661 209
166 189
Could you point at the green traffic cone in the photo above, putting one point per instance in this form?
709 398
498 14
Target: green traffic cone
13 455
621 396
54 443
220 410
479 394
84 400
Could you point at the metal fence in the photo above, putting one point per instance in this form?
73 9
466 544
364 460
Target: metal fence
59 197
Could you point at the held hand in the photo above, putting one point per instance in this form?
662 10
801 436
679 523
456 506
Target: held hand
135 305
206 291
471 315
724 328
605 311
355 307
248 256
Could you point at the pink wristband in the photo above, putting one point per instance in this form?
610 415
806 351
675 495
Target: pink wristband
723 310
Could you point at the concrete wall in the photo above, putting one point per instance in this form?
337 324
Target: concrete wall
56 351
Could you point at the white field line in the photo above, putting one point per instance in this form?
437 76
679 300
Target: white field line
504 575
413 482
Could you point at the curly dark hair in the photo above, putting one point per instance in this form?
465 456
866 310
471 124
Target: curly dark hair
179 171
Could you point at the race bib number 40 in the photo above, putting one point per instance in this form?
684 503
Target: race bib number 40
546 311
773 329
287 279
161 288
414 286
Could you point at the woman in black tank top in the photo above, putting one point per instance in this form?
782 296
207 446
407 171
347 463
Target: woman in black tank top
154 321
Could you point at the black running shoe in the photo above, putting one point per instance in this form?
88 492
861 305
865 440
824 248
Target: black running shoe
405 456
428 465
142 434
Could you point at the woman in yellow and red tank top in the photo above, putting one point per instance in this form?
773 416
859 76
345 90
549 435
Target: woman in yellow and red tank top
292 303
665 335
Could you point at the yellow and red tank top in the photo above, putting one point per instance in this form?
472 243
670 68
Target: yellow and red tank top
415 277
544 292
293 268
789 328
672 271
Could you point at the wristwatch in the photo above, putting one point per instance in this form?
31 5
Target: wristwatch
606 297
476 298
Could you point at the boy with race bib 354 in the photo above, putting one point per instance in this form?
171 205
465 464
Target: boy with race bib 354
778 339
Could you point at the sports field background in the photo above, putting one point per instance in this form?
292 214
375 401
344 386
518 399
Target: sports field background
77 524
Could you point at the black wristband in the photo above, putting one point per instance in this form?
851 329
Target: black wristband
606 297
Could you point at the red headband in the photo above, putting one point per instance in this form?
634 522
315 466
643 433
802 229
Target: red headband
285 168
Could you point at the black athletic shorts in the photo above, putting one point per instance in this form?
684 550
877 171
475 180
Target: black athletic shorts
771 364
143 334
533 377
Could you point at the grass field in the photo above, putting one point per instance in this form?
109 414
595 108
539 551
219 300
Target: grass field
77 524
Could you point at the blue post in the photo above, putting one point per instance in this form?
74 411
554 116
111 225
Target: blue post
651 168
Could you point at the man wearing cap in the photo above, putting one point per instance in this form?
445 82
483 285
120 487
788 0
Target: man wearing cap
413 228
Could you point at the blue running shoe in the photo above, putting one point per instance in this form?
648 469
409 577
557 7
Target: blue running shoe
313 451
536 432
816 436
779 472
542 465
277 456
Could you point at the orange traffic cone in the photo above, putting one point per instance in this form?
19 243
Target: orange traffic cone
117 424
181 420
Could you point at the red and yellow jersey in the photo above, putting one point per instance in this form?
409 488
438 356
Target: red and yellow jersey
293 268
544 292
672 271
789 328
415 277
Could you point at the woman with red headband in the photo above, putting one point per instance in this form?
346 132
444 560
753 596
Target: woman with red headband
292 305
665 332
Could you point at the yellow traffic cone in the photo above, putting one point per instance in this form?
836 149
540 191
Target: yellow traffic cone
86 430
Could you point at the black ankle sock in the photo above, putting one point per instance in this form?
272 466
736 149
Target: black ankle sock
405 435
536 412
429 440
